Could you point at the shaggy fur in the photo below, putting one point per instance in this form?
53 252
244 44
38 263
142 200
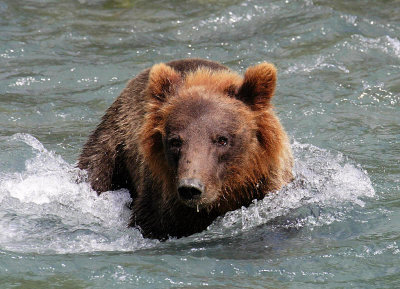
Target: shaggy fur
167 125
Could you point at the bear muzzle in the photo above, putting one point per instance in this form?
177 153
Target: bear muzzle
190 189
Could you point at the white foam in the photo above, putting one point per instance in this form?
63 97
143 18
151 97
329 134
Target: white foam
49 207
386 44
321 179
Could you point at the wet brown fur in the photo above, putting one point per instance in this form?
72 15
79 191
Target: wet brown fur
128 150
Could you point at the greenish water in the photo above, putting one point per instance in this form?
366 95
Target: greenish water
62 63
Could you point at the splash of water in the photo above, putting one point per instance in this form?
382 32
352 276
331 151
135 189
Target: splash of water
49 207
321 181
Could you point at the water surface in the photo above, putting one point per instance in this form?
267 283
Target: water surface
62 63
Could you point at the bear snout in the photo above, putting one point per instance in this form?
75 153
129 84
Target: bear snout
190 189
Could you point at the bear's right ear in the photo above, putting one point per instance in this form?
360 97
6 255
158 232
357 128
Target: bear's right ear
163 81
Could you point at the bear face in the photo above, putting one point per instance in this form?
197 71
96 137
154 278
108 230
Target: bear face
210 135
203 143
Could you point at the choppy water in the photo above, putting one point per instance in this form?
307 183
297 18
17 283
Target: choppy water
336 226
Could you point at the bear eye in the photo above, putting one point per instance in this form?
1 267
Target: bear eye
175 143
221 141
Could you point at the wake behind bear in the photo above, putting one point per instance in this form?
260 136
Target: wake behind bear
190 140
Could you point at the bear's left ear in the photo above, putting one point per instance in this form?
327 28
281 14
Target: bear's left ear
258 86
163 80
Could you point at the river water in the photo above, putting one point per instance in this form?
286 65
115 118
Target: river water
62 63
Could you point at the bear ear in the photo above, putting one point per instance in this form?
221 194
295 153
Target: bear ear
258 86
163 81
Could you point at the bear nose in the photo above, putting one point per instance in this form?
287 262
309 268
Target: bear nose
189 189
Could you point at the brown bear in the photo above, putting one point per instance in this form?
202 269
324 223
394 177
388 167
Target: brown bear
191 140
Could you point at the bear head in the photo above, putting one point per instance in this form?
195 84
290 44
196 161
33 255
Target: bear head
211 138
